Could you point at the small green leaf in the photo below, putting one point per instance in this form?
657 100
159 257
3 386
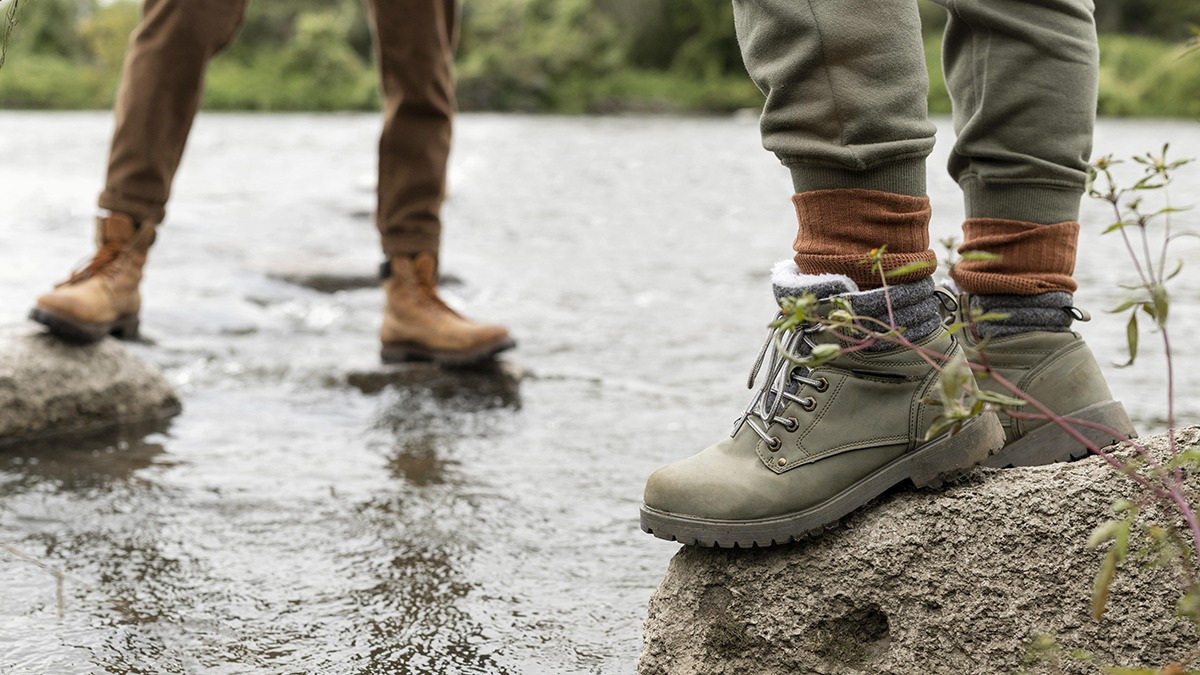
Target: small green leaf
909 268
1124 505
1104 578
1161 304
1131 336
825 352
1123 306
1178 269
1103 532
1114 227
1000 399
980 255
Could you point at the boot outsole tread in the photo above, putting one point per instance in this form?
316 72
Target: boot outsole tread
411 353
1049 443
932 465
125 328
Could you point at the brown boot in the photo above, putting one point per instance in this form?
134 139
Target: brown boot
418 326
101 298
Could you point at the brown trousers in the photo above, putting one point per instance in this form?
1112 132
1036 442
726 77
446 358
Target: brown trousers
164 76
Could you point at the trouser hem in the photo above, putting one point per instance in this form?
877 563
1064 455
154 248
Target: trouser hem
904 177
141 210
1024 202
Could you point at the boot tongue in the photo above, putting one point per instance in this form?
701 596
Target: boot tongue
116 227
425 267
788 281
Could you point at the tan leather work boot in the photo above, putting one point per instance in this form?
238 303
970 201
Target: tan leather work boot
419 326
102 297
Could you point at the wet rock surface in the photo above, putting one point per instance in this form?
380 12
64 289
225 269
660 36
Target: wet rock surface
49 387
991 575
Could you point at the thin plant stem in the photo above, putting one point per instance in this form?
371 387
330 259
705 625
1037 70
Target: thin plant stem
10 22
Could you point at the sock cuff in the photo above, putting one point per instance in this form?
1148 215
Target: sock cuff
1033 258
837 229
1047 312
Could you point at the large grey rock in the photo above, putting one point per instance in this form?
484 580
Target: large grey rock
970 579
50 387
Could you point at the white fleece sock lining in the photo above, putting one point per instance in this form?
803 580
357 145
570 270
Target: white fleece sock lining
785 274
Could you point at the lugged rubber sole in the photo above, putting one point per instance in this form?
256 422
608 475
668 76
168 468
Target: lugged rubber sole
125 328
931 465
1050 443
408 352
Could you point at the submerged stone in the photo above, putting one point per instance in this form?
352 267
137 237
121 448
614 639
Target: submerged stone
989 575
497 380
49 387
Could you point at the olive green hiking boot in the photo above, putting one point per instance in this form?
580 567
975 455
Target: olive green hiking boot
419 326
102 297
816 444
1058 370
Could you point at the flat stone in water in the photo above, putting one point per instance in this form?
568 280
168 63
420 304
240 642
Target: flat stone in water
49 387
497 380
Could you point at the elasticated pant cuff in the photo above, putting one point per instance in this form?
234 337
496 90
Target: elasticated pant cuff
1027 203
905 177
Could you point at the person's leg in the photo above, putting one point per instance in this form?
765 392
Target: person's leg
160 91
846 113
159 94
1023 78
414 43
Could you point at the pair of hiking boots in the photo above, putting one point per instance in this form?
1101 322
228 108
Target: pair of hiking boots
102 298
819 442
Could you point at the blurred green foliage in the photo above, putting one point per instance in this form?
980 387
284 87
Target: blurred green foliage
570 56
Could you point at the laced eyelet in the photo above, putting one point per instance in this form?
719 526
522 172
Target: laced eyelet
824 384
773 443
791 424
808 403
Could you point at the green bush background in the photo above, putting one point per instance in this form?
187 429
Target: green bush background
562 56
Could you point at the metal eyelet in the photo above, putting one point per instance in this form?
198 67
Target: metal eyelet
824 384
808 403
773 443
791 424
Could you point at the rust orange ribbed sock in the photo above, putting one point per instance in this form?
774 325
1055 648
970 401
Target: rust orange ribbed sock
838 228
1033 259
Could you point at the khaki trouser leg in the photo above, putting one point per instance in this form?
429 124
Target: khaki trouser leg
414 41
160 91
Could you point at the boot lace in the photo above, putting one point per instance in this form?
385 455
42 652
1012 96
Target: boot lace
107 260
101 263
782 384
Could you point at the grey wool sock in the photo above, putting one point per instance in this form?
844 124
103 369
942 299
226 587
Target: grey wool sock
1026 313
914 305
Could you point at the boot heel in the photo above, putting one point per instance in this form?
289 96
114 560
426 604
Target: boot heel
951 456
1050 443
125 328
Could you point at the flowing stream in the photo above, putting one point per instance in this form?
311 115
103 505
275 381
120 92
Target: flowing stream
295 520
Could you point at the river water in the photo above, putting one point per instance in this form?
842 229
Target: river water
290 521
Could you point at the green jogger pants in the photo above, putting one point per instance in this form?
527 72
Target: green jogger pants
846 90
